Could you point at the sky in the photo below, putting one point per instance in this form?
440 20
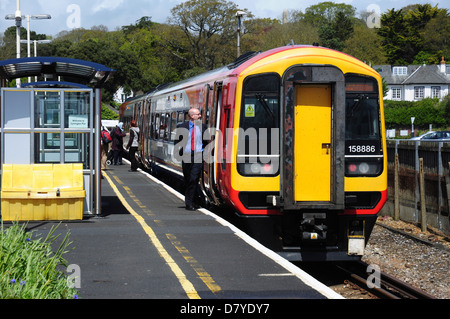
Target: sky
71 14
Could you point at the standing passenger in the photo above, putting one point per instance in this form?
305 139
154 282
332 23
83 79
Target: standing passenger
133 144
117 143
192 160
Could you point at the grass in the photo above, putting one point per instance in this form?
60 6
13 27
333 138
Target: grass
29 268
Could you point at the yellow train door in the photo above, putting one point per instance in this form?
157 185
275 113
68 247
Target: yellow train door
312 160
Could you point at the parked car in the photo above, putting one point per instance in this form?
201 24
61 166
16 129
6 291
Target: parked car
441 136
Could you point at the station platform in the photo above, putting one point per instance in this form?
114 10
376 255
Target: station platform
146 245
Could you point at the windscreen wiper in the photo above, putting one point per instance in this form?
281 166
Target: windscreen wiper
260 98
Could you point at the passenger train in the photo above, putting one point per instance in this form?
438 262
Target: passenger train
296 149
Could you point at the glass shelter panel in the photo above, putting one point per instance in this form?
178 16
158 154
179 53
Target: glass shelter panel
76 109
76 148
47 106
47 147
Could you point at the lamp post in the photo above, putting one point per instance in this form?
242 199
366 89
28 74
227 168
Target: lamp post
17 16
239 15
34 17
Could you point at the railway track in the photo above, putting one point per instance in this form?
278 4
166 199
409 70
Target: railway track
384 286
355 273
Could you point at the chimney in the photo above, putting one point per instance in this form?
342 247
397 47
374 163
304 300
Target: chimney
443 65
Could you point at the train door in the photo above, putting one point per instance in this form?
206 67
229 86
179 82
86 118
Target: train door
312 166
313 138
209 175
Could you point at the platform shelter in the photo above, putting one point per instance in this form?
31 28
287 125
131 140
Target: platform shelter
55 121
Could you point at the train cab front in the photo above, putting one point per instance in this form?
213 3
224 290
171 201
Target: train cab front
316 197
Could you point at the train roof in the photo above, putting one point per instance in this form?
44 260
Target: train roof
243 62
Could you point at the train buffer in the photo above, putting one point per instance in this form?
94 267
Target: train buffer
146 245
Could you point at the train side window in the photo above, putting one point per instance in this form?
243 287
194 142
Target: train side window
180 118
152 125
173 126
162 126
156 126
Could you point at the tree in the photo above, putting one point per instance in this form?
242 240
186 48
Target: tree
392 31
209 27
326 12
8 47
406 31
334 33
365 44
436 36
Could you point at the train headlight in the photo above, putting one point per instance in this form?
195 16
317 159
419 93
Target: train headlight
255 168
364 168
368 167
258 169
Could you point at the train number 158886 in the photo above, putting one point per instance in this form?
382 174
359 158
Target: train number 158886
368 147
361 149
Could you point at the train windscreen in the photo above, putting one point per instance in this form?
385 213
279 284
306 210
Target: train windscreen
363 148
258 145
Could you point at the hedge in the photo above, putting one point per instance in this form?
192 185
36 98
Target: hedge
426 111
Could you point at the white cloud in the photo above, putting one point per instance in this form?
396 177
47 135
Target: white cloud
107 5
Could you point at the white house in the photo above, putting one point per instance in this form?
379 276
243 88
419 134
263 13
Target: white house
120 96
415 82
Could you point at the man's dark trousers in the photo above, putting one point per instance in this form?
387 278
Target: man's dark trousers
191 173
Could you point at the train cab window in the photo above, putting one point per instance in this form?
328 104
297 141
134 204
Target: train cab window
258 144
363 148
361 109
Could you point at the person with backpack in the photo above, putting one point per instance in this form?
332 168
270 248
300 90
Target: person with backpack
105 140
117 143
133 144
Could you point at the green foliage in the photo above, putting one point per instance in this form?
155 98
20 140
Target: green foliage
201 35
29 266
333 34
209 28
407 31
427 111
108 114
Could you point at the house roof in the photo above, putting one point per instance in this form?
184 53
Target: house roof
427 74
416 74
72 70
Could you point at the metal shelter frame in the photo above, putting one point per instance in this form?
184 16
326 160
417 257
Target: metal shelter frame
64 73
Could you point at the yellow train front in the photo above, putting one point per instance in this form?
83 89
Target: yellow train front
296 147
308 170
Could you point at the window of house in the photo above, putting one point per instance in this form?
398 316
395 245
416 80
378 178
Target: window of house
396 93
418 92
436 92
400 70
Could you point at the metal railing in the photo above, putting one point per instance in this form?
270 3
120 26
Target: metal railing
405 195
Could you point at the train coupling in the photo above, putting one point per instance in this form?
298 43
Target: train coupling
313 227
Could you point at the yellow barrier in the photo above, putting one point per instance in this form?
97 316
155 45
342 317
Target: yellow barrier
42 192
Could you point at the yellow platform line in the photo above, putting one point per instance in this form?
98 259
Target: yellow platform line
185 283
198 268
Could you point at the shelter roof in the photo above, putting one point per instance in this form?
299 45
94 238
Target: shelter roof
72 70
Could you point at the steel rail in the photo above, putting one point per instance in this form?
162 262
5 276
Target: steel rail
390 287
